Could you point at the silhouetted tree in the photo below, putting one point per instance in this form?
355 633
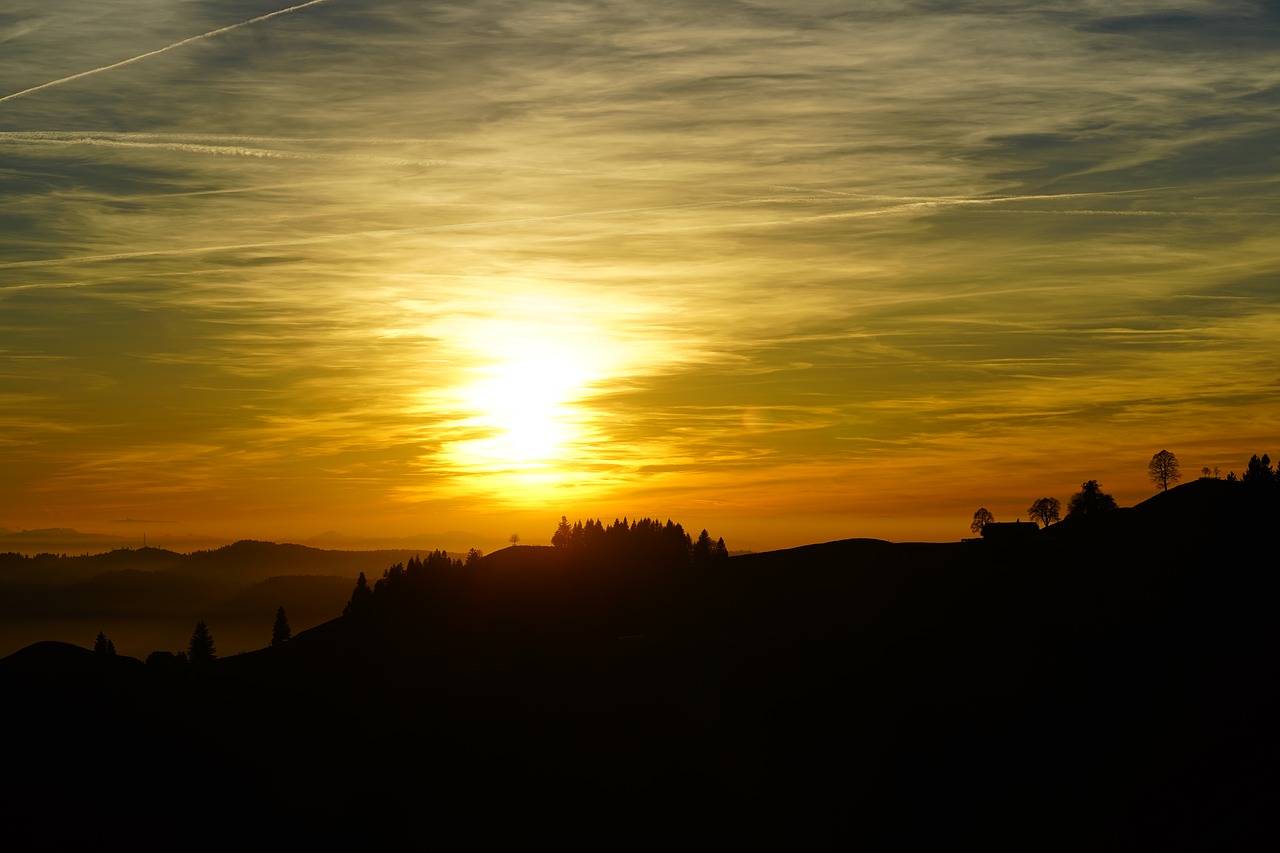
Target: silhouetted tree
563 537
703 548
721 552
103 646
1090 500
1258 471
473 556
1163 469
201 649
514 539
981 519
280 632
361 598
1046 511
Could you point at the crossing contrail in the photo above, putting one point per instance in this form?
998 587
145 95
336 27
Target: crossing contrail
157 51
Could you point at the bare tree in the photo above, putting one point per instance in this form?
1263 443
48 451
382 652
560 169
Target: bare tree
1163 469
514 539
1046 511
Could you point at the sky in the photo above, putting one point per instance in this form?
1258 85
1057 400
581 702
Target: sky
790 271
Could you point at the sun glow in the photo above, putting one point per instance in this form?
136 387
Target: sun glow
524 421
524 408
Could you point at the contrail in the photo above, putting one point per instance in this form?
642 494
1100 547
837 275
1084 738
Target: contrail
165 49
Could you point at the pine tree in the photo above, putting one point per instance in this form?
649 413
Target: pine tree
280 632
361 598
201 649
703 548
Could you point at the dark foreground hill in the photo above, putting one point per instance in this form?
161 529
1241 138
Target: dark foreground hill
1105 686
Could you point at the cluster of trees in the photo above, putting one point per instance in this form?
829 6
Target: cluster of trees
1259 472
403 581
643 542
1090 500
646 537
103 646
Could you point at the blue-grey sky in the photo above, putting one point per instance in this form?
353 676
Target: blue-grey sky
790 271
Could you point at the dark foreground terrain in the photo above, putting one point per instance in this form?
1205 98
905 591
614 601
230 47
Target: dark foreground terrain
1108 684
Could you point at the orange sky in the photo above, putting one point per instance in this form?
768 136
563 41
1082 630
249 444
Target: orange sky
792 272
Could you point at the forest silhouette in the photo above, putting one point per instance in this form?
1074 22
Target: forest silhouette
1106 682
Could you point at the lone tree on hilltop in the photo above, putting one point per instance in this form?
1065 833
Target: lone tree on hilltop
1090 500
201 649
280 631
514 539
981 519
1046 511
1163 469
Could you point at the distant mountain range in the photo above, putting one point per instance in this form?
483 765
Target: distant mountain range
65 540
153 596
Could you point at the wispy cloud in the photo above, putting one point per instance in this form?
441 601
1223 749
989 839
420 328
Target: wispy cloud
860 265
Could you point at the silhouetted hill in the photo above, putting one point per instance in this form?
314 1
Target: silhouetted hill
1108 685
459 541
307 599
249 561
50 661
1192 513
246 561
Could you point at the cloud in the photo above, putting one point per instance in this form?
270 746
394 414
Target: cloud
803 249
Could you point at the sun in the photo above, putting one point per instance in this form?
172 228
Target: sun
525 411
526 407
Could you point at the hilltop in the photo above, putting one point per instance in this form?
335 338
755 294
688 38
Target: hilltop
1108 684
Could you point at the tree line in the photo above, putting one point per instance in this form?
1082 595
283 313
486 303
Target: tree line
644 536
402 582
644 545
